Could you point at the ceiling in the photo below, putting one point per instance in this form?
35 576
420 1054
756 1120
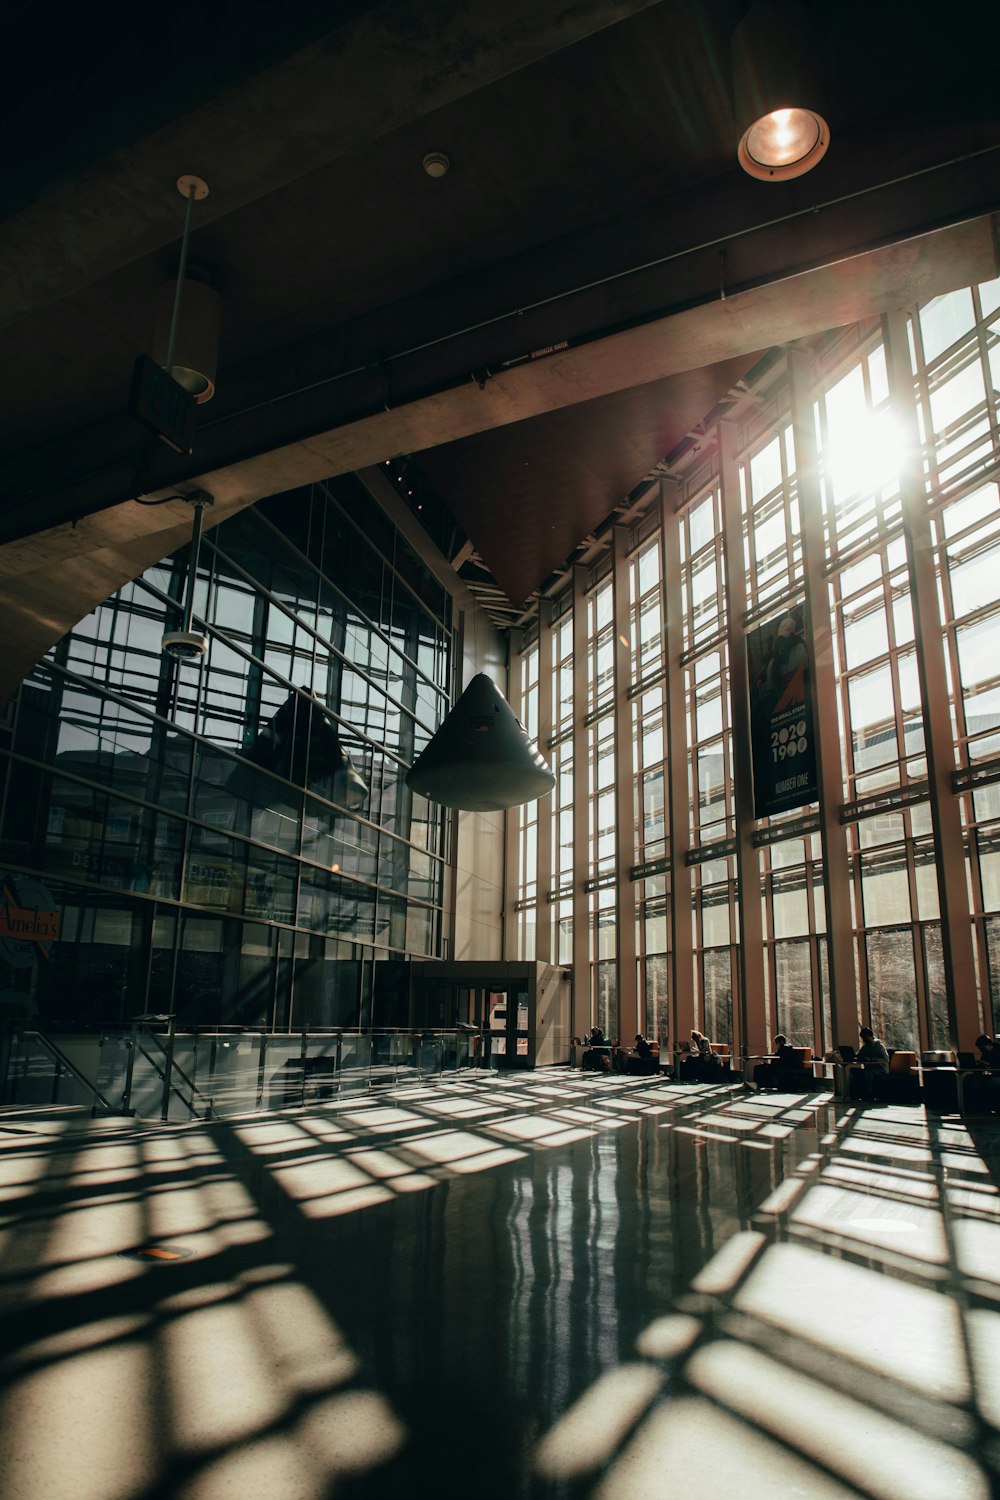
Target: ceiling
533 331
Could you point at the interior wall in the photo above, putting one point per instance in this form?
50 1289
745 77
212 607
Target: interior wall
480 836
552 1012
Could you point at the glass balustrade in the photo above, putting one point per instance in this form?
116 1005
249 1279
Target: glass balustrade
152 1071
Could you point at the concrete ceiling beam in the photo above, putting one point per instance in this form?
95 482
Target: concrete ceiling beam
50 580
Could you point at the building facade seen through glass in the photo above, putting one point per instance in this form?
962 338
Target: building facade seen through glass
232 841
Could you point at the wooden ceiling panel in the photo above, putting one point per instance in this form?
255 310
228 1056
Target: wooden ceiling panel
526 493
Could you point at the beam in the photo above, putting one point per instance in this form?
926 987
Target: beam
97 553
327 423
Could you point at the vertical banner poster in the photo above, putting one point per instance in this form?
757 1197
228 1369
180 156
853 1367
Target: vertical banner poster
779 663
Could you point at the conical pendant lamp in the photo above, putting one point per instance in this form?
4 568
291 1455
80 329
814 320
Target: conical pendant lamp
481 759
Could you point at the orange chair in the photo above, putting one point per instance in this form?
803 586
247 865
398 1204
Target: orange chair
902 1084
795 1077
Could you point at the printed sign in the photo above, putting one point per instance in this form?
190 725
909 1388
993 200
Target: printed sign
29 920
779 663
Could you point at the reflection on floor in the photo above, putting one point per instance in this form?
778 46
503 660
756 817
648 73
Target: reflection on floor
538 1284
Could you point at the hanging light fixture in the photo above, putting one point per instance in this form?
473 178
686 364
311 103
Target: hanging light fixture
188 313
481 758
188 644
195 355
777 93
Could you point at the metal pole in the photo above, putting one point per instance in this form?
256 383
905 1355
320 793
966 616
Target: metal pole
167 1070
129 1069
196 530
179 284
190 188
262 1070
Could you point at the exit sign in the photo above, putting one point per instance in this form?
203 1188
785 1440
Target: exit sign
161 404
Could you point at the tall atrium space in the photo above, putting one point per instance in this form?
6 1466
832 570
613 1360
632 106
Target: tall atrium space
500 752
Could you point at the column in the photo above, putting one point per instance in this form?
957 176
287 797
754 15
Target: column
949 852
819 626
513 816
677 788
582 989
750 1014
543 906
625 952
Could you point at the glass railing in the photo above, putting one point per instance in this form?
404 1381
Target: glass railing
153 1070
37 1073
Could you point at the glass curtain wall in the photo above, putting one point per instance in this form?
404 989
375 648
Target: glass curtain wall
232 841
601 779
527 850
561 752
649 736
885 810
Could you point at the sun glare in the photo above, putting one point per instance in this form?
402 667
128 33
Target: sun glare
866 456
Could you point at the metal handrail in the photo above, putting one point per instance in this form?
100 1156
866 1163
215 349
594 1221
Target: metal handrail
165 1074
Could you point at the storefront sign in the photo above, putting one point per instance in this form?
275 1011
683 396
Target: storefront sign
29 920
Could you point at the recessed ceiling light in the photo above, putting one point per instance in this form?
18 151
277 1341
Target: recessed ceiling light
784 143
778 90
436 163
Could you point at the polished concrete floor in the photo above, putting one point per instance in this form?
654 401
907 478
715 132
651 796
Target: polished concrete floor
530 1285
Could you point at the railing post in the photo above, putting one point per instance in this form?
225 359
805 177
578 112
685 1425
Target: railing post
209 1111
129 1068
212 1055
168 1068
6 1055
261 1071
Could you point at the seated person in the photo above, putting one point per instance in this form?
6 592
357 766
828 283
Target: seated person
703 1063
597 1057
875 1059
981 1090
639 1058
765 1074
989 1052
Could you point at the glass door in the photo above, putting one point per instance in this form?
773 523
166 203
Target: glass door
517 1048
496 1029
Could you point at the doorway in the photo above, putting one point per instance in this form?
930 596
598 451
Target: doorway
506 1033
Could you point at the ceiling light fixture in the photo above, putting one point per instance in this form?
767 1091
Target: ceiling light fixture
188 644
436 164
188 313
481 758
195 354
776 92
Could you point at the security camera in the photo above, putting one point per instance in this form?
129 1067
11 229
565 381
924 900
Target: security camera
185 645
